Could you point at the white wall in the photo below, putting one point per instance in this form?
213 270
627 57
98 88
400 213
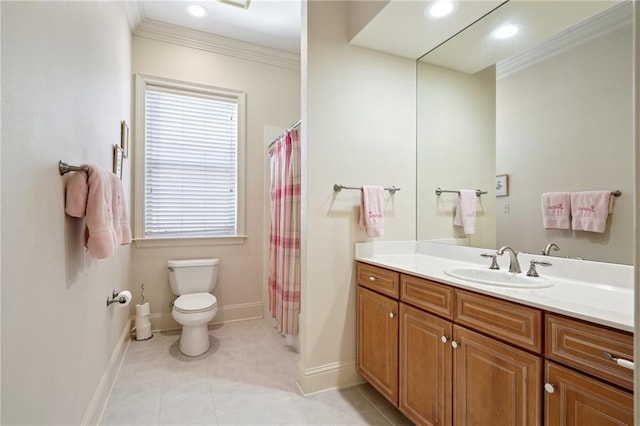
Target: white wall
566 124
65 88
273 99
358 128
456 150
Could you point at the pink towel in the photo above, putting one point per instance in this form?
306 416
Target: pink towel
590 209
100 198
371 211
556 210
466 211
119 208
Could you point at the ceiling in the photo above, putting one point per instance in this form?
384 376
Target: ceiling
397 27
473 48
270 23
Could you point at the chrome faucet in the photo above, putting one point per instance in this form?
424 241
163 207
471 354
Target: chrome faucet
514 265
548 248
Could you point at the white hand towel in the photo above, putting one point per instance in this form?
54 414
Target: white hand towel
590 209
556 210
371 211
466 211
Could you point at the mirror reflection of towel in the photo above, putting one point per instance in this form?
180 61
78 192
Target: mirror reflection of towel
556 210
372 211
590 209
466 211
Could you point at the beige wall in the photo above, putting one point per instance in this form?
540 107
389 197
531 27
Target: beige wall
566 124
358 128
66 85
273 99
456 150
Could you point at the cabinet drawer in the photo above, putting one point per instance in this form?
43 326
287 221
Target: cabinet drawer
513 323
378 279
425 294
583 346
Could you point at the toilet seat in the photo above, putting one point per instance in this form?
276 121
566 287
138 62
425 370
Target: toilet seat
194 303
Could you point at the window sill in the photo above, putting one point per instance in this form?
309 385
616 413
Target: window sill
189 242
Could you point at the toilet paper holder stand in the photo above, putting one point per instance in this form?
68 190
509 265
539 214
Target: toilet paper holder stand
116 298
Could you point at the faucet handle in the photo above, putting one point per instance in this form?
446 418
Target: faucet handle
532 268
494 262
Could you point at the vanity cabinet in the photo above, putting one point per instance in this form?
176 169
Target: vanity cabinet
426 368
590 348
495 383
441 361
446 356
377 337
575 399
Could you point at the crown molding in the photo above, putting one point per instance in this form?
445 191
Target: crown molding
603 23
216 44
135 13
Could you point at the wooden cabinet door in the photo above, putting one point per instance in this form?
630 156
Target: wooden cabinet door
494 383
425 367
578 400
377 337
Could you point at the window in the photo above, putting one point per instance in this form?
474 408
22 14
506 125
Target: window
190 160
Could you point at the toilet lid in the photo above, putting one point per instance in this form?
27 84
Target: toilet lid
197 302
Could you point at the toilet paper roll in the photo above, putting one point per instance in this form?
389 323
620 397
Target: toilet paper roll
143 332
127 297
143 309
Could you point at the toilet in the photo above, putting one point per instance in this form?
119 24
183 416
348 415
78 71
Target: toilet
193 280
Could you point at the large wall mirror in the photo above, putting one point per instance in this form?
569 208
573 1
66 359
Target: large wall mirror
550 108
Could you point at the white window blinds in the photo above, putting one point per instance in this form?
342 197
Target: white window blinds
190 164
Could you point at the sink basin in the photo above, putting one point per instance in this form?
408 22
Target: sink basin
498 278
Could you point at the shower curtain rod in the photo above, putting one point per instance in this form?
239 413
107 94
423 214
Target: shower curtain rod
296 124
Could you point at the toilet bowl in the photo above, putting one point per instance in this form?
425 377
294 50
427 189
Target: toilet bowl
193 312
192 280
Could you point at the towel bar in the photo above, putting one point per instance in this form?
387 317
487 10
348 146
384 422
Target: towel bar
440 191
65 168
337 188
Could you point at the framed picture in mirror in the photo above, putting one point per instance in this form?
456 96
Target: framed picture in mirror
124 138
502 185
118 159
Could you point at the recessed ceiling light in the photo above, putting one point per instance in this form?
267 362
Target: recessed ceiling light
197 10
440 9
505 31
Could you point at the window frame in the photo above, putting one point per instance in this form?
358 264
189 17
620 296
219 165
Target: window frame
138 171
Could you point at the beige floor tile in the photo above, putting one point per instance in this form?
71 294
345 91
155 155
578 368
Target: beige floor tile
354 418
247 377
137 404
195 409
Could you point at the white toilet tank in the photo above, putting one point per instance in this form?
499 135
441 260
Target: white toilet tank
190 276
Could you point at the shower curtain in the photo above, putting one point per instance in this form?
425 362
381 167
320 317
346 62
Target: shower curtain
284 254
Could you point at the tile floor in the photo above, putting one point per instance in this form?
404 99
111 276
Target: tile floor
247 377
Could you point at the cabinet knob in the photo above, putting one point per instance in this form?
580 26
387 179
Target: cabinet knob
549 387
373 279
454 344
444 339
392 315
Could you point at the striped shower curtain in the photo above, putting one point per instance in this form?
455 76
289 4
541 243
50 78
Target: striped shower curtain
284 255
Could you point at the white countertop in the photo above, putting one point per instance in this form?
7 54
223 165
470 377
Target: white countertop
593 291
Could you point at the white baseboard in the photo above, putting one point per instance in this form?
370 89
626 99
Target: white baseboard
239 312
94 413
335 375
